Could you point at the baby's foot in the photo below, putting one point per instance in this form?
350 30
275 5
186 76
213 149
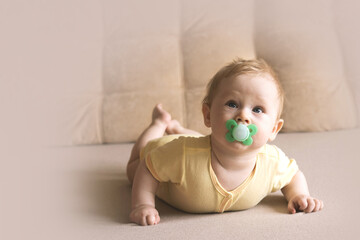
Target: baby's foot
174 127
160 116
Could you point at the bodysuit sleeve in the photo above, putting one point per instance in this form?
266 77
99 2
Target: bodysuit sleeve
284 170
166 163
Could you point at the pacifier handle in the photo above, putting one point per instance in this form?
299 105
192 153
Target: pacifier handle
240 132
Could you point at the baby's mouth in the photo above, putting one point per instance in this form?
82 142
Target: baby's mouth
240 132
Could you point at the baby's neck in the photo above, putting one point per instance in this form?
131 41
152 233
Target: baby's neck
232 170
234 160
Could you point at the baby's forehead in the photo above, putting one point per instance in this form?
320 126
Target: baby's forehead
252 78
262 84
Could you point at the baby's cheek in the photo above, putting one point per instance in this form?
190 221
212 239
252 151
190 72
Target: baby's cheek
260 138
219 132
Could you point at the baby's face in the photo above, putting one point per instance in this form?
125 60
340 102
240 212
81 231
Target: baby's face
249 99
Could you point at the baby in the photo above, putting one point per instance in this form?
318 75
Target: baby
202 174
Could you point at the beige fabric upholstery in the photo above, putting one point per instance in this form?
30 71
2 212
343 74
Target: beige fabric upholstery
82 193
142 65
99 73
210 39
169 55
302 45
166 55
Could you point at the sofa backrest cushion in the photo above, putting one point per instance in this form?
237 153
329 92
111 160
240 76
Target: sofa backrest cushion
101 67
165 52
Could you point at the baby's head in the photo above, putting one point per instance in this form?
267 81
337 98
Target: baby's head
243 67
247 92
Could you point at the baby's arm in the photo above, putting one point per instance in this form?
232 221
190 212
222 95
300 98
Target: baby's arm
143 197
298 196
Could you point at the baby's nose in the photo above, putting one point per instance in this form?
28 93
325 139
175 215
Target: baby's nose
242 119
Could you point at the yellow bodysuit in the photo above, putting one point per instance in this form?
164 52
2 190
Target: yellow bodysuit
182 165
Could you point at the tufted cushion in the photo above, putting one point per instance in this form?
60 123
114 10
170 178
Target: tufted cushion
306 53
166 51
208 41
166 55
97 75
142 65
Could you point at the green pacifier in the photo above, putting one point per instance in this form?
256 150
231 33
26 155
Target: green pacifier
240 132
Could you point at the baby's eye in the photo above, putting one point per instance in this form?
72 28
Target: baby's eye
258 110
231 104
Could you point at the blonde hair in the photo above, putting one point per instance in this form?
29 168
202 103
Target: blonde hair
239 67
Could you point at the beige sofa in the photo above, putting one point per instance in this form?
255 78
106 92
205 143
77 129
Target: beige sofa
79 80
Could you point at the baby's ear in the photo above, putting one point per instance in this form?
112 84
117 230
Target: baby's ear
206 114
277 127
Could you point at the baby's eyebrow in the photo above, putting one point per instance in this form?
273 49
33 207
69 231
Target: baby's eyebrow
262 99
230 96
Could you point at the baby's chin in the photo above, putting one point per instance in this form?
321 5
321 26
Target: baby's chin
241 148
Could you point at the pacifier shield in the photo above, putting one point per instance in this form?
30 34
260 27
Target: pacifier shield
240 132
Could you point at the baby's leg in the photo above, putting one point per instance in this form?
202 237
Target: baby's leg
157 128
175 127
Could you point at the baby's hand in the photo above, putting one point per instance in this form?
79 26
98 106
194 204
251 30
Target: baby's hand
304 203
145 215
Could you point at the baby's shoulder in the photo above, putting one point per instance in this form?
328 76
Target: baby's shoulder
196 142
177 142
271 152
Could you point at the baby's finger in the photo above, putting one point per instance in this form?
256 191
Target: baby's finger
302 203
317 205
142 221
310 205
157 218
150 219
321 203
138 218
291 207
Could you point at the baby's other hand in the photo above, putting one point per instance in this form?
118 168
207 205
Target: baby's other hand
305 204
145 215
